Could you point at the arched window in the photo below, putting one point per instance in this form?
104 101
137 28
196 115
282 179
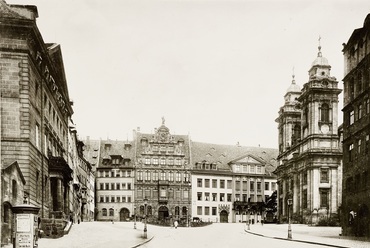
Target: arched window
104 212
111 212
325 112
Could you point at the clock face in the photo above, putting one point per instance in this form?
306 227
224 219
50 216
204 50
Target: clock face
324 129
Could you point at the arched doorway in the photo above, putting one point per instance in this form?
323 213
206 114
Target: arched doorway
162 213
224 216
124 214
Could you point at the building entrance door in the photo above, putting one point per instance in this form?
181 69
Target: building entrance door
124 214
224 216
162 213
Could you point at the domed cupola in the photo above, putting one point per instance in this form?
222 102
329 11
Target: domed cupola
320 66
293 92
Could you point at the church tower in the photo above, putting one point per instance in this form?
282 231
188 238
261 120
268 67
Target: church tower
309 171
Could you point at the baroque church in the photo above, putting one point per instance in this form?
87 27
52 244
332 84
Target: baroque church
309 160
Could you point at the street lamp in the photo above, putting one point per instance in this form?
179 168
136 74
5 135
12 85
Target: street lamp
145 213
134 217
290 202
248 218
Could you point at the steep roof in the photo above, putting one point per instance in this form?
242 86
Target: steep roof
109 148
222 155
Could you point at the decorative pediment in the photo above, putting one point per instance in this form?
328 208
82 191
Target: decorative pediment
248 159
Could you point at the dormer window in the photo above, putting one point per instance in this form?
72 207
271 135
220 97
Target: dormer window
144 142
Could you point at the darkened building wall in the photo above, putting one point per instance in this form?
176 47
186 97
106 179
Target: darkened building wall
356 125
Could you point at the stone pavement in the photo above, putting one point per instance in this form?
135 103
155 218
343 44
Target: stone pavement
329 236
100 234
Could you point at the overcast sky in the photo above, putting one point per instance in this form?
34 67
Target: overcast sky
216 70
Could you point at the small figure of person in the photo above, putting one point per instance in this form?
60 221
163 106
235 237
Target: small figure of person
175 224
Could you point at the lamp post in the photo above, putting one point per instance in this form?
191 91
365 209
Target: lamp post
187 216
145 212
134 217
290 202
248 219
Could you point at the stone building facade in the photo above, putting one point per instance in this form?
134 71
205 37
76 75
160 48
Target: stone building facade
180 179
35 115
356 125
310 167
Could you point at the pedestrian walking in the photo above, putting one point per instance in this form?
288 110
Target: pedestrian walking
175 224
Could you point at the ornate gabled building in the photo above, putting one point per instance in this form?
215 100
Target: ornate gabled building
356 130
162 163
231 183
310 167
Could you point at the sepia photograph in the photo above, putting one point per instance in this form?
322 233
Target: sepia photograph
184 123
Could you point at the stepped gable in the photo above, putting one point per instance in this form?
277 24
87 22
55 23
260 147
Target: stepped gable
223 154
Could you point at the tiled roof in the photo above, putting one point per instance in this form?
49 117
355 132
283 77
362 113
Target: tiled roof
116 148
223 154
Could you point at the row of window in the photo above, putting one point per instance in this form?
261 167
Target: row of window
113 198
207 210
221 184
361 110
50 144
163 161
248 168
115 173
213 197
115 186
357 85
289 184
362 148
220 197
162 175
163 193
162 147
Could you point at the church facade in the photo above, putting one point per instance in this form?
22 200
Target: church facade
309 161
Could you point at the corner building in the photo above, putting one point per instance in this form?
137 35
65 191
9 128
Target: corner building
232 183
310 167
356 130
